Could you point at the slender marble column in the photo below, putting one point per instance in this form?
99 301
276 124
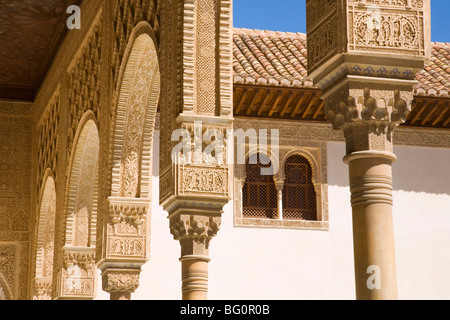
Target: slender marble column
373 231
279 186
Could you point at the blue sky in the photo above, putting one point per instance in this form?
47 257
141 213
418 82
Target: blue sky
290 16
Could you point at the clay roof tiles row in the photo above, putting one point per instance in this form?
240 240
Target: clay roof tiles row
272 58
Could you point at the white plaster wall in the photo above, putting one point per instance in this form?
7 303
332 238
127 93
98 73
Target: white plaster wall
251 263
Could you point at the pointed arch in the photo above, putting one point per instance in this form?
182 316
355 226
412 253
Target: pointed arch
135 115
81 205
46 230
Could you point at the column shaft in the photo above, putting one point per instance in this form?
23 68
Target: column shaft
280 204
373 234
194 277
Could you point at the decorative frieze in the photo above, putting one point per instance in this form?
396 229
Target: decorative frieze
127 229
77 279
84 76
204 180
387 26
292 130
366 38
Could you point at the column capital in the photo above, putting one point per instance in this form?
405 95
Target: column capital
120 280
77 278
279 184
126 245
378 108
368 113
194 231
131 212
42 289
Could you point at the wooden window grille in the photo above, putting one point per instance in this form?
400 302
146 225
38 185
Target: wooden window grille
259 195
299 195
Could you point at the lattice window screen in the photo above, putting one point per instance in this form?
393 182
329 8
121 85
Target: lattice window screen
299 195
259 195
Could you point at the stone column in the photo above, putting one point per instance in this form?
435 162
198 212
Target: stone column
279 185
373 230
196 113
194 231
370 157
194 275
368 127
364 56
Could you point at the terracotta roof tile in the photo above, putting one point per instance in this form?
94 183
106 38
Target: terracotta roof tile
270 58
274 58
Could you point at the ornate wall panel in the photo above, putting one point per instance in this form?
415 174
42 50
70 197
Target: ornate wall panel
169 58
48 139
15 196
385 26
378 27
85 81
127 14
206 44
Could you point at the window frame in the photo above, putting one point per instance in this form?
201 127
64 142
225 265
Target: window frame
315 153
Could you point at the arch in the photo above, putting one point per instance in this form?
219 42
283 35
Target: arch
135 114
46 229
274 159
308 156
81 204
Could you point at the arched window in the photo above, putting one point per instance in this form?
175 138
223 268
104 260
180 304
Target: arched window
299 195
259 194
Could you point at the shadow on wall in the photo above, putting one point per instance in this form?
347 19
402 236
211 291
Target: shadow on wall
422 170
417 169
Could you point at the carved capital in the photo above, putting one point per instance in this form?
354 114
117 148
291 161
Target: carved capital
194 231
84 258
77 278
376 106
126 280
127 216
368 116
42 289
